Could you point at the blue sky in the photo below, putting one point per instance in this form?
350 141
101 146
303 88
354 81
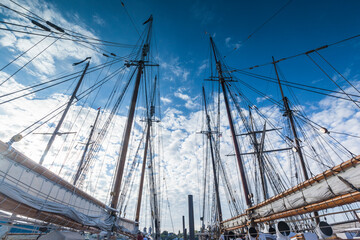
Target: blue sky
181 41
180 26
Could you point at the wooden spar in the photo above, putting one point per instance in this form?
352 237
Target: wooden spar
266 151
155 210
341 200
149 124
13 206
138 207
21 159
122 158
232 128
81 163
8 204
341 167
289 114
259 155
330 203
249 133
52 138
218 203
204 200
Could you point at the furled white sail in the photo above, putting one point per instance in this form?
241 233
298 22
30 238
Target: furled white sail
34 186
334 187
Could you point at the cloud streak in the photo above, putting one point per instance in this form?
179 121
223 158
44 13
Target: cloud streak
57 50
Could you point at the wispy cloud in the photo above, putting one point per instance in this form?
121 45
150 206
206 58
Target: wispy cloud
202 12
204 65
227 41
262 99
98 20
182 96
165 100
190 102
232 44
174 69
54 48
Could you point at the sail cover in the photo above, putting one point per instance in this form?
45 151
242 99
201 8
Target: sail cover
328 186
30 184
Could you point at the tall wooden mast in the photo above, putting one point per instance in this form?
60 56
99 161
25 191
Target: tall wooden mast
258 150
289 114
138 206
209 135
82 161
56 131
149 121
231 124
121 160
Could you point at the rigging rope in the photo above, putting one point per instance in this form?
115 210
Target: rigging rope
338 72
78 35
92 69
79 97
132 21
29 61
290 84
355 102
300 54
24 52
261 26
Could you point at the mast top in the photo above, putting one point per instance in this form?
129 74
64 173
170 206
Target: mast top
150 19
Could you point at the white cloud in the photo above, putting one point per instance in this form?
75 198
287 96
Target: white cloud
202 68
204 65
173 69
227 41
165 100
230 44
98 20
182 96
55 50
191 103
262 99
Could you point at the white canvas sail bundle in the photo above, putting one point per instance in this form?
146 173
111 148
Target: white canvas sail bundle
335 187
30 184
330 187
